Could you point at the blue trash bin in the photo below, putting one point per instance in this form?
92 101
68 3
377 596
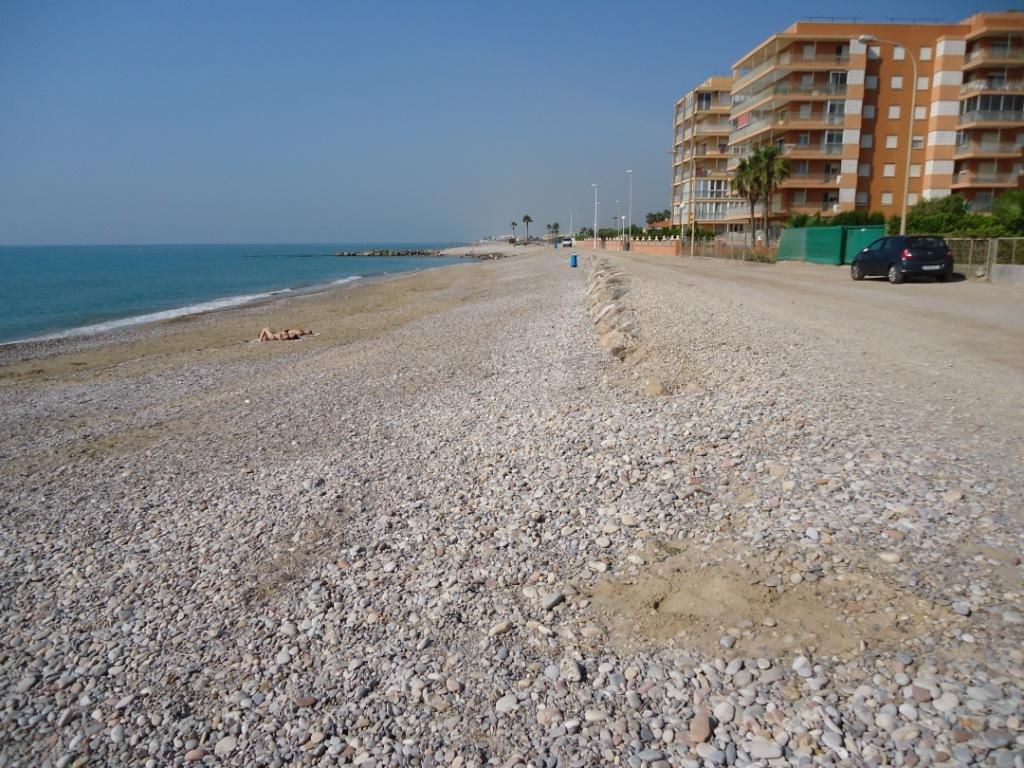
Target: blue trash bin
572 260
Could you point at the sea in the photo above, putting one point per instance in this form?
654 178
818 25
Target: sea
67 290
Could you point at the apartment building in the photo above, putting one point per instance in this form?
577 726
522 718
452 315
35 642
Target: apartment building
987 156
842 101
700 173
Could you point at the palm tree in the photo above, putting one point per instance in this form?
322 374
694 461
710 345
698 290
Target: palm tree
744 183
555 229
527 220
514 225
771 167
548 226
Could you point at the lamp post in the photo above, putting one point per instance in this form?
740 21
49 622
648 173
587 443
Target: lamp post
910 121
595 214
570 223
630 238
693 178
618 217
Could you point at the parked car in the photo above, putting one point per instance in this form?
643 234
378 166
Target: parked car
567 242
902 256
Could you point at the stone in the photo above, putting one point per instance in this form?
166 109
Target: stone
947 702
961 609
890 557
724 712
552 599
764 750
700 727
507 703
225 746
501 628
26 684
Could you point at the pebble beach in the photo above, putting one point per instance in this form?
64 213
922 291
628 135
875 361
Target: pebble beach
508 513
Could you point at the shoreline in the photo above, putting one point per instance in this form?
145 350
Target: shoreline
119 328
83 338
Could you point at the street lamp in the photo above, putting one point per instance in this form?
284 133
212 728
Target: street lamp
570 223
595 214
910 121
630 174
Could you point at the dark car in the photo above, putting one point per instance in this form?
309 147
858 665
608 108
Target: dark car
902 256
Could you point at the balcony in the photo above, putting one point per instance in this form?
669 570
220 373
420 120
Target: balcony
985 179
994 55
786 91
778 121
812 207
978 86
987 116
791 61
798 151
811 181
987 149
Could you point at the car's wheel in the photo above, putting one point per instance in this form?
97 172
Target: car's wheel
856 272
895 276
941 278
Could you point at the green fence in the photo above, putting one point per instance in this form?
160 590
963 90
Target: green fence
826 245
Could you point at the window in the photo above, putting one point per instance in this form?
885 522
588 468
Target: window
808 50
891 141
920 113
894 112
896 82
864 169
871 82
887 198
926 53
922 83
874 52
862 198
866 141
799 196
915 170
803 140
917 142
889 170
911 198
869 111
898 53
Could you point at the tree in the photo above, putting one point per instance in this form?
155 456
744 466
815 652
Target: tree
514 225
555 229
771 167
1008 210
655 216
548 226
744 183
527 221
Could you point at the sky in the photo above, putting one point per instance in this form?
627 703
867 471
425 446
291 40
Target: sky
356 120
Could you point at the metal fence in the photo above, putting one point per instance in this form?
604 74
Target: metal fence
974 256
717 249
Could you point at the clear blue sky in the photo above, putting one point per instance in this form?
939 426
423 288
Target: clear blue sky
354 120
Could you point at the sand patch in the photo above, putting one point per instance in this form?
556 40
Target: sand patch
697 597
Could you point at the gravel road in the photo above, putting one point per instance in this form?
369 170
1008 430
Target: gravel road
647 512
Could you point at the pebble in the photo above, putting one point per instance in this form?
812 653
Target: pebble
225 746
404 546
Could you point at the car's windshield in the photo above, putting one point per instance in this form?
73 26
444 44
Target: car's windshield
925 242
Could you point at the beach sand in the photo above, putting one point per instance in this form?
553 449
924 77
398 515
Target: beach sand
644 511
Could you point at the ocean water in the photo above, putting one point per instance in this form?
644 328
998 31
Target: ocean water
48 291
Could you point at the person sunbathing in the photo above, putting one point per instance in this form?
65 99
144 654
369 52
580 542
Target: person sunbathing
288 334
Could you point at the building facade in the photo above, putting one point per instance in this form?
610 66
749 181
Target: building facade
701 195
844 102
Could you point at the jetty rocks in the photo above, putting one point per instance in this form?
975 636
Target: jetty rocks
384 252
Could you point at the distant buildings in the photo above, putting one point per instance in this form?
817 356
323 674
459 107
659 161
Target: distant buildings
841 100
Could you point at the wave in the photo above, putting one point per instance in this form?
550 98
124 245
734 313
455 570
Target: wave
155 317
